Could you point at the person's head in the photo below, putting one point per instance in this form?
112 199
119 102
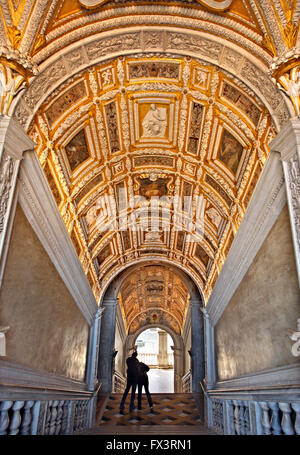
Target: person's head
134 354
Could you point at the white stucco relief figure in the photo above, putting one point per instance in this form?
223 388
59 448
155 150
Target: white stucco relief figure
214 216
216 5
155 122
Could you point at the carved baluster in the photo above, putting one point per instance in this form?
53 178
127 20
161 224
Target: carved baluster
246 418
16 417
86 408
64 417
296 407
27 418
265 417
48 418
237 424
83 416
231 417
59 417
52 425
241 417
4 417
286 422
75 425
275 420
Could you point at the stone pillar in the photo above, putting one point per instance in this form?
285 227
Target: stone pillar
197 348
287 143
210 363
163 361
13 143
107 343
91 376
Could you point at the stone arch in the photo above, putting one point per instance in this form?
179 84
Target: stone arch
178 350
112 285
228 56
107 332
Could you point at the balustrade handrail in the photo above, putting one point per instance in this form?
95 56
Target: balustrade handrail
263 411
186 376
119 375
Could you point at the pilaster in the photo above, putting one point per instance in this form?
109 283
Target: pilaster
210 361
107 342
197 354
91 376
287 143
13 143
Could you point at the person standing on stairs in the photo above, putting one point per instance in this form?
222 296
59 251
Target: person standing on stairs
143 381
132 381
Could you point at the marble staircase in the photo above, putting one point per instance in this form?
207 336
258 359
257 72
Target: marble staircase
173 414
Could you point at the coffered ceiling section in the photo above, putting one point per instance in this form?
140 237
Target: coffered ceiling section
154 294
153 158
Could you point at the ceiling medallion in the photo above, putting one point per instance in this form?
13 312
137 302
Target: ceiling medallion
215 5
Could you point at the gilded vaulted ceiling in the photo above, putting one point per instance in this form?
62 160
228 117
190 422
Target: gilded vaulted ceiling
154 294
158 129
137 107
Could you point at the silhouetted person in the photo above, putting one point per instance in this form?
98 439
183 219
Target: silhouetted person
132 380
143 381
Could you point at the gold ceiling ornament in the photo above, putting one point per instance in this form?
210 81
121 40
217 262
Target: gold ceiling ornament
145 128
286 75
14 36
268 43
14 77
91 4
214 5
290 34
40 41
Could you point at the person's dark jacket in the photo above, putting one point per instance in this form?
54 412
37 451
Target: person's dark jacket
143 370
132 369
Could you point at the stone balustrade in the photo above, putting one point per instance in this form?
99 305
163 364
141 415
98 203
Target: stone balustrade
250 417
187 382
119 382
51 417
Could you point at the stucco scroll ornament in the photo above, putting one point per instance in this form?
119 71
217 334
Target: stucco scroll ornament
295 336
294 183
5 187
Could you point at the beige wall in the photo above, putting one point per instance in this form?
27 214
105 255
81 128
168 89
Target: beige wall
252 333
47 330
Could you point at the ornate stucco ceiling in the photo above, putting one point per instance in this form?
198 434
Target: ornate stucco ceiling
154 294
152 127
149 99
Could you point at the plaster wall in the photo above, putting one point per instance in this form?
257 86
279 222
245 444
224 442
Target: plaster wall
120 338
251 334
47 330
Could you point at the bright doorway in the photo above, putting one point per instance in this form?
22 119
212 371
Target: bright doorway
154 348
